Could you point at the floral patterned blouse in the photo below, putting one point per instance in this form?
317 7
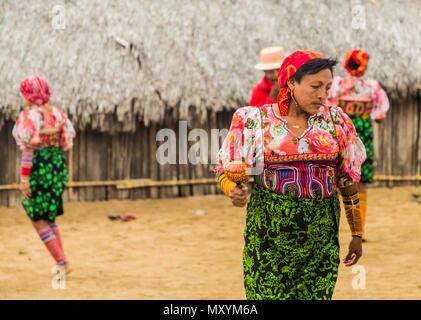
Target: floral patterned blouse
359 97
30 121
328 154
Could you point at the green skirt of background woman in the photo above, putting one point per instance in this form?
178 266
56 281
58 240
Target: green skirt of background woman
364 130
47 181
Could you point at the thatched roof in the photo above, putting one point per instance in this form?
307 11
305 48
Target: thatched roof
136 59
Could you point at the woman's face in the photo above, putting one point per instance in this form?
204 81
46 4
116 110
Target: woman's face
312 91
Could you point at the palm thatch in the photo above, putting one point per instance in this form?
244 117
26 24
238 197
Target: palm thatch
119 62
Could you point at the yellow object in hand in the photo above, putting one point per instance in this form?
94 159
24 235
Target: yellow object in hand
236 172
226 184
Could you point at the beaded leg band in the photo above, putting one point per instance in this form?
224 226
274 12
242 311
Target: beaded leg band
353 214
26 165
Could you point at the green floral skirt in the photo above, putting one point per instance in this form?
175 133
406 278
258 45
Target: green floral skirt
47 181
291 246
364 130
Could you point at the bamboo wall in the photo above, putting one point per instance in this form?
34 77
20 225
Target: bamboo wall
122 156
397 142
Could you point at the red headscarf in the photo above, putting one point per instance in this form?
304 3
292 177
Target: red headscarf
289 67
36 89
360 57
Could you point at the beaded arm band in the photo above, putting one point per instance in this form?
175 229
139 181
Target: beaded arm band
26 165
226 184
353 214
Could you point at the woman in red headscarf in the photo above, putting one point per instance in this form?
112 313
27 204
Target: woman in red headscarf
364 101
43 132
300 153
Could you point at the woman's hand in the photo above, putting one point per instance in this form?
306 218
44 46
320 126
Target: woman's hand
354 253
238 195
25 188
348 190
49 131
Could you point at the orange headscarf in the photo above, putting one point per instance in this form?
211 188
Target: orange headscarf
289 67
360 57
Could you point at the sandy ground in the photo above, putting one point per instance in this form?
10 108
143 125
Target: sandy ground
170 252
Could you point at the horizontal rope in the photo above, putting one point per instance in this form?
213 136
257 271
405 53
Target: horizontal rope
397 178
125 184
143 183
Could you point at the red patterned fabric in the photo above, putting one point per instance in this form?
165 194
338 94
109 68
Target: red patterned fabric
260 93
289 67
360 57
36 89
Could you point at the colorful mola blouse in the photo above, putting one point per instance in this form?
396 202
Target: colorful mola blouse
30 121
359 97
326 155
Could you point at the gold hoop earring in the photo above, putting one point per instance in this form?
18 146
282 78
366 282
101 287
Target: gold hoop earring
293 98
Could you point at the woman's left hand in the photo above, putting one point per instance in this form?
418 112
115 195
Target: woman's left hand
25 189
355 252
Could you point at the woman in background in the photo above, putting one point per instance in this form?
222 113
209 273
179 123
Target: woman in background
43 133
364 101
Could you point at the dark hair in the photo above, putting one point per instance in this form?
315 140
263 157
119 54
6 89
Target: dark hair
314 66
352 65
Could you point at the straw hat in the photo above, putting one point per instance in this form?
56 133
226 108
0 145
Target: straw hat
271 58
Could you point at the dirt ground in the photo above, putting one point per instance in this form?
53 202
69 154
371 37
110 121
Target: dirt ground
171 252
